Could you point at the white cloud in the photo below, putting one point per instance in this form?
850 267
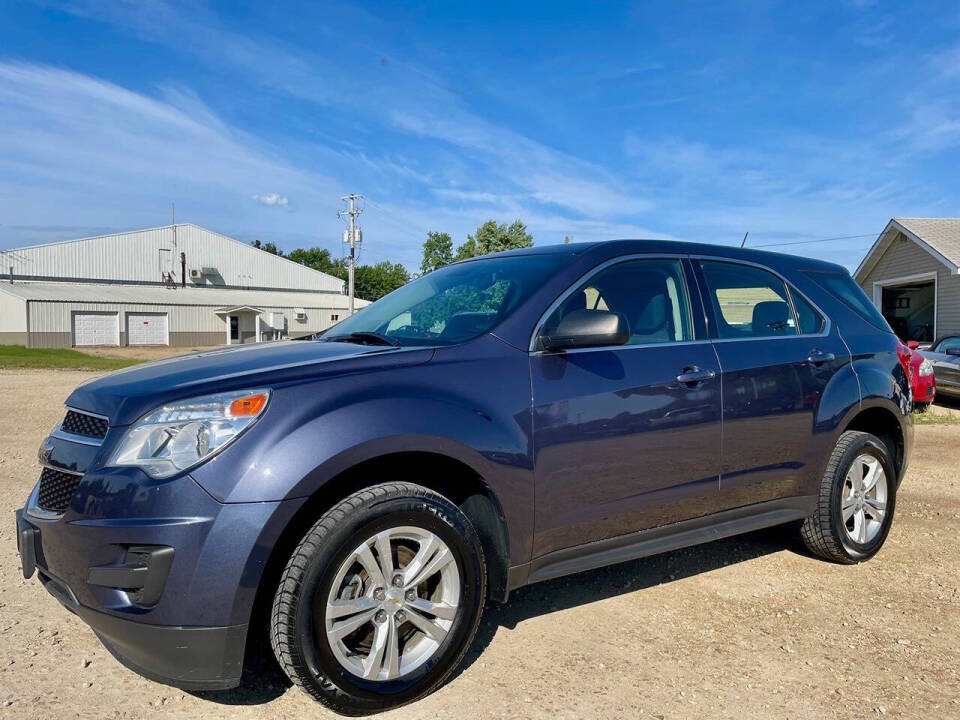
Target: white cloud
272 199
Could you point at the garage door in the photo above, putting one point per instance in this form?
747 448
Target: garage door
147 329
96 329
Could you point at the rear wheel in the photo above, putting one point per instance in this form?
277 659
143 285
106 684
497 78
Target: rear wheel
380 600
857 499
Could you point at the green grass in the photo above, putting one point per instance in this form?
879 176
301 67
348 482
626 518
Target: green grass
17 356
933 416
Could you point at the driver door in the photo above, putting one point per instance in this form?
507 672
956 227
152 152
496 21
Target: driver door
622 443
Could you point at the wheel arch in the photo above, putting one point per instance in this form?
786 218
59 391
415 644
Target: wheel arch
881 421
446 475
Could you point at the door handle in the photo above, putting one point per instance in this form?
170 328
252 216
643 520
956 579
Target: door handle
818 358
694 376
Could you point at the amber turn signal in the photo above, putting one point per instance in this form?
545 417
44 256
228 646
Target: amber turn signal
246 406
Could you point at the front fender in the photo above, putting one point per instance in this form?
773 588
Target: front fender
313 432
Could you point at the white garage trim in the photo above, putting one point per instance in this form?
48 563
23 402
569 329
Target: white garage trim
879 285
148 328
883 243
95 328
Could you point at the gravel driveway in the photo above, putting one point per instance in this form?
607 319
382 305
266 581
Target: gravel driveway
750 627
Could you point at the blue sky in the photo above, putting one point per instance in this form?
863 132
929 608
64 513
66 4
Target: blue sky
796 121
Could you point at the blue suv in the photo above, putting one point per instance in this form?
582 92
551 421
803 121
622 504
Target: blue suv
355 499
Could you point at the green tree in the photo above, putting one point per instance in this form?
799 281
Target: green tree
267 247
492 237
320 259
437 252
372 282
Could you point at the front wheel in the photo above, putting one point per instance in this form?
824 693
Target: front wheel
858 494
380 600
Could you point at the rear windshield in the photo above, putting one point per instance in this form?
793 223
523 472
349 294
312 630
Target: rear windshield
844 288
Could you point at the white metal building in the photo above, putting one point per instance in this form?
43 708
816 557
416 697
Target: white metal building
177 285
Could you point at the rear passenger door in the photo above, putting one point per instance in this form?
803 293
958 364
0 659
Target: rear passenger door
777 352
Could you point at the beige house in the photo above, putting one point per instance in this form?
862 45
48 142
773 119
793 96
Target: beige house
912 273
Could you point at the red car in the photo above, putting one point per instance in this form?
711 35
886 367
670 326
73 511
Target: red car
921 378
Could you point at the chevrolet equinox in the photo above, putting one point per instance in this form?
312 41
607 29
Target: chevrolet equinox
355 499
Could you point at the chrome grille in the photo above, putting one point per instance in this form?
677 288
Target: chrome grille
80 423
56 489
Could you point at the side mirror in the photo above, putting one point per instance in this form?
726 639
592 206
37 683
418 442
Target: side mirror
913 344
587 328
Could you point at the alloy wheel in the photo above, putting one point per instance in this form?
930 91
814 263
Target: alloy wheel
392 602
863 502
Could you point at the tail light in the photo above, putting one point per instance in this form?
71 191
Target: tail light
904 353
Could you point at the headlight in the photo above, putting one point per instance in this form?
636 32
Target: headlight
926 367
178 436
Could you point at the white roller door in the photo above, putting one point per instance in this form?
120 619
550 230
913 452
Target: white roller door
96 329
147 329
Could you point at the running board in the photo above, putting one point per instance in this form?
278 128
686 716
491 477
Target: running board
662 539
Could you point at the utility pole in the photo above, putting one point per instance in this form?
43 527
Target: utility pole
353 235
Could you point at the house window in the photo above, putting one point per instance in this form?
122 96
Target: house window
334 318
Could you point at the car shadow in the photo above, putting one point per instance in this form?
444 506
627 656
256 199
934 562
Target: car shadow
947 402
263 680
607 582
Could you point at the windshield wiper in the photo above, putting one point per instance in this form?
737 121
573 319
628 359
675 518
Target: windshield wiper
364 338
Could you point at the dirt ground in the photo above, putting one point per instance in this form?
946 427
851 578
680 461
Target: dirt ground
750 627
143 352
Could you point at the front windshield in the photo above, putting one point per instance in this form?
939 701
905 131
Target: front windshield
453 304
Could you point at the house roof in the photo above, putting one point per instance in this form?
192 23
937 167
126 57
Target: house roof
938 236
159 295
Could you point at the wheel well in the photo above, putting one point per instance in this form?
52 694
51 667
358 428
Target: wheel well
453 479
884 424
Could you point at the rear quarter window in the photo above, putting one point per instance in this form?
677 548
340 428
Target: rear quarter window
844 288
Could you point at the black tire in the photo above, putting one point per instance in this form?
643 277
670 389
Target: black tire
823 532
305 654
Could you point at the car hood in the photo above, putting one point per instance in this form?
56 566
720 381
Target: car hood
125 395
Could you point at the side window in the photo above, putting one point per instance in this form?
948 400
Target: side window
747 301
650 294
810 322
842 286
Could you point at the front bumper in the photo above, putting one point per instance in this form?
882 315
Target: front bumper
164 574
191 658
188 657
924 389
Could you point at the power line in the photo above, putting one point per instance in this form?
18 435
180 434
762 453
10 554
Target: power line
807 242
412 230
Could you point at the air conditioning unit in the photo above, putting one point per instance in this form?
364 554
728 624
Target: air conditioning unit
196 275
301 314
